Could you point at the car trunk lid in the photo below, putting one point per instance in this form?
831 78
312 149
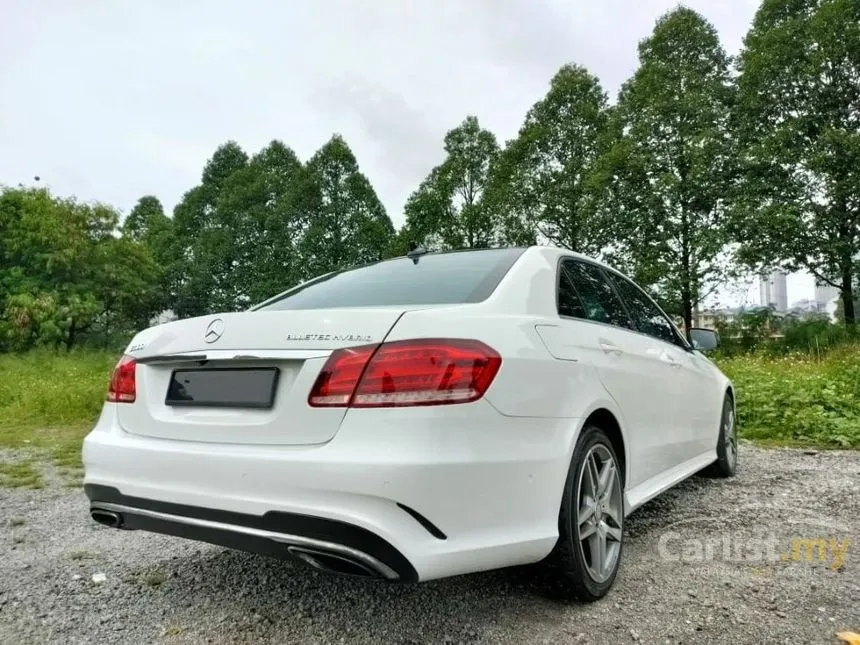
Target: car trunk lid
243 377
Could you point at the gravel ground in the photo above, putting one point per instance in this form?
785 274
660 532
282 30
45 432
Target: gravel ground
166 590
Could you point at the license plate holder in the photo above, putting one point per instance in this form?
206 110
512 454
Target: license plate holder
223 387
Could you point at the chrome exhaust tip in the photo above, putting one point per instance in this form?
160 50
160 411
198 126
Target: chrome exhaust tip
334 563
106 518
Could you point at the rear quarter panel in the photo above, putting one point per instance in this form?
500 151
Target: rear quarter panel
530 383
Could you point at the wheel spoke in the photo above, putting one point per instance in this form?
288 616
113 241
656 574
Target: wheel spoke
587 531
606 479
586 512
607 494
613 532
613 514
599 562
591 466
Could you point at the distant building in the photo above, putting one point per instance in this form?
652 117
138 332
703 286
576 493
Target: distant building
773 291
826 299
710 318
826 294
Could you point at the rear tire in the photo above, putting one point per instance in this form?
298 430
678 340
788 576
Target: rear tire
727 444
587 556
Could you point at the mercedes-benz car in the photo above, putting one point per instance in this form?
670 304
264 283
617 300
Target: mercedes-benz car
421 417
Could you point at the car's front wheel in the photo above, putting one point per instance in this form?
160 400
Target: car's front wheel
591 521
727 443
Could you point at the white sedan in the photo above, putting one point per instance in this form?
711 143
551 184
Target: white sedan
416 418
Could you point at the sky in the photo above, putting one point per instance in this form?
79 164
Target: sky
111 100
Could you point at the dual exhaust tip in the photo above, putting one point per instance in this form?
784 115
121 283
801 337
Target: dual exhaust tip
325 561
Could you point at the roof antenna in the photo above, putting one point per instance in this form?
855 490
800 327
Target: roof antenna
415 252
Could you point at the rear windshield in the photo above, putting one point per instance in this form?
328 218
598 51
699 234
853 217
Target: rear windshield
437 278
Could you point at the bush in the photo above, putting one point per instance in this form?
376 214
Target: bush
762 331
798 398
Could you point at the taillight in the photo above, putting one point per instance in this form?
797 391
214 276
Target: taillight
123 387
339 376
406 373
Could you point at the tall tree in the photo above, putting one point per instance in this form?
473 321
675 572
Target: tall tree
348 225
543 184
270 201
668 176
799 124
204 242
146 214
447 210
148 226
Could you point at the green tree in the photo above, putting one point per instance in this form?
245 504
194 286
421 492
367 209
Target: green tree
128 285
269 201
668 176
147 214
348 224
544 185
447 210
149 227
204 242
798 121
65 274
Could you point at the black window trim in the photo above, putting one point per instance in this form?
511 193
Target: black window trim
683 344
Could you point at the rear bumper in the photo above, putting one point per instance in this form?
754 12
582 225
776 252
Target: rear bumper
335 546
425 495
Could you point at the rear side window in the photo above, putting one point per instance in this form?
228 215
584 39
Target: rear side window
435 279
569 302
646 314
597 298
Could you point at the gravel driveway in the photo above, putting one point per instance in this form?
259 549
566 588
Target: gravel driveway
689 575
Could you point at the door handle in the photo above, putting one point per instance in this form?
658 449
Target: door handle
609 348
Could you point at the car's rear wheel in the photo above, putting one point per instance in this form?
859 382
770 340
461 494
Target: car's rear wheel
586 558
727 443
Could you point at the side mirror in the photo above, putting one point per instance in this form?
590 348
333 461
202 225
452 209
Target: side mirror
704 339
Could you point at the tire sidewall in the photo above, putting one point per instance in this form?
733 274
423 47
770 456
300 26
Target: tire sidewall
728 467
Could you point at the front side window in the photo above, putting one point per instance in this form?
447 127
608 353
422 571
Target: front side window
597 298
645 313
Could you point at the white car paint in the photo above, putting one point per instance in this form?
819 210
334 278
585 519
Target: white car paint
488 473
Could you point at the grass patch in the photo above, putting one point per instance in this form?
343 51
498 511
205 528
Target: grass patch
51 400
798 400
173 630
154 578
21 474
80 554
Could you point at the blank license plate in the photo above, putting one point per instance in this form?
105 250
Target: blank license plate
238 387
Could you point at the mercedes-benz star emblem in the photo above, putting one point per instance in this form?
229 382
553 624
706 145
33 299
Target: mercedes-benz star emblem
214 330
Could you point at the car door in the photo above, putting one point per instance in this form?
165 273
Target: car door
692 426
642 383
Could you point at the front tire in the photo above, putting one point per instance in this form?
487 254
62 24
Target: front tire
726 464
587 555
